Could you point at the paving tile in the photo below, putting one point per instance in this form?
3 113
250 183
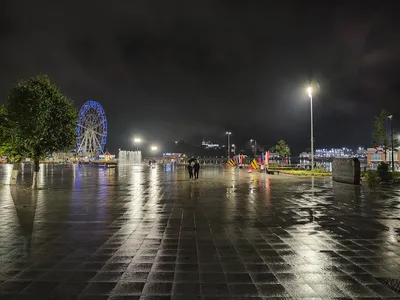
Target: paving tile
128 288
155 297
186 289
327 290
119 297
243 289
40 288
214 289
186 277
157 288
272 290
107 276
382 291
263 278
213 277
161 277
99 288
358 290
79 276
238 278
13 287
70 290
134 276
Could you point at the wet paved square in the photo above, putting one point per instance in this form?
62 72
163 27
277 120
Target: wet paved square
140 233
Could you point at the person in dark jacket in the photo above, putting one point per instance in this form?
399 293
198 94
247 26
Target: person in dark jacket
196 169
190 170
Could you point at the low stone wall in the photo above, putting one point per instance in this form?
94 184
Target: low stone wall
346 170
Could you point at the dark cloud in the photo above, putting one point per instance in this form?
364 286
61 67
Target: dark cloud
190 69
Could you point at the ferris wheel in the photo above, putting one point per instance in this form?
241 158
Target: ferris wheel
91 129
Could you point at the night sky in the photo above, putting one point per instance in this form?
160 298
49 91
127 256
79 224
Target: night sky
173 70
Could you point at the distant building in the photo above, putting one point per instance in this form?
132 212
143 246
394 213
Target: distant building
305 155
210 145
172 157
335 152
361 152
377 155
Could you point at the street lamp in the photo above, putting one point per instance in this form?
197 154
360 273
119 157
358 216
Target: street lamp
137 142
391 140
309 90
255 147
228 133
154 149
234 149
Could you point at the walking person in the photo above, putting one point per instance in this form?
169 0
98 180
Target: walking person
190 170
196 169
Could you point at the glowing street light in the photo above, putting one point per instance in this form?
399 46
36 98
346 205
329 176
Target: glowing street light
154 149
137 142
310 90
255 147
228 133
234 149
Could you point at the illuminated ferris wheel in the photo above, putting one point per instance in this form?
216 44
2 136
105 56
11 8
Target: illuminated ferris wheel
91 129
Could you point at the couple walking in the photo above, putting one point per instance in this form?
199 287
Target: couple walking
194 167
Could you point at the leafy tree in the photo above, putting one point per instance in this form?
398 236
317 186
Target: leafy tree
39 120
9 145
282 149
380 135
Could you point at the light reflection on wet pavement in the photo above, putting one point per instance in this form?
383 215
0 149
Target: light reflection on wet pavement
140 233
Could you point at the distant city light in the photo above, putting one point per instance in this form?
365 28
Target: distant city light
153 148
361 152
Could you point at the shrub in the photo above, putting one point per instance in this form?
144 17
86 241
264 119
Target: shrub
273 165
396 176
372 178
307 173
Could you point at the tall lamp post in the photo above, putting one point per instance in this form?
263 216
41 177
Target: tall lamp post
309 90
154 149
137 142
391 140
234 149
255 147
228 133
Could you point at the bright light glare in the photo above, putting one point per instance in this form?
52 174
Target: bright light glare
137 140
153 148
228 132
309 90
233 145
